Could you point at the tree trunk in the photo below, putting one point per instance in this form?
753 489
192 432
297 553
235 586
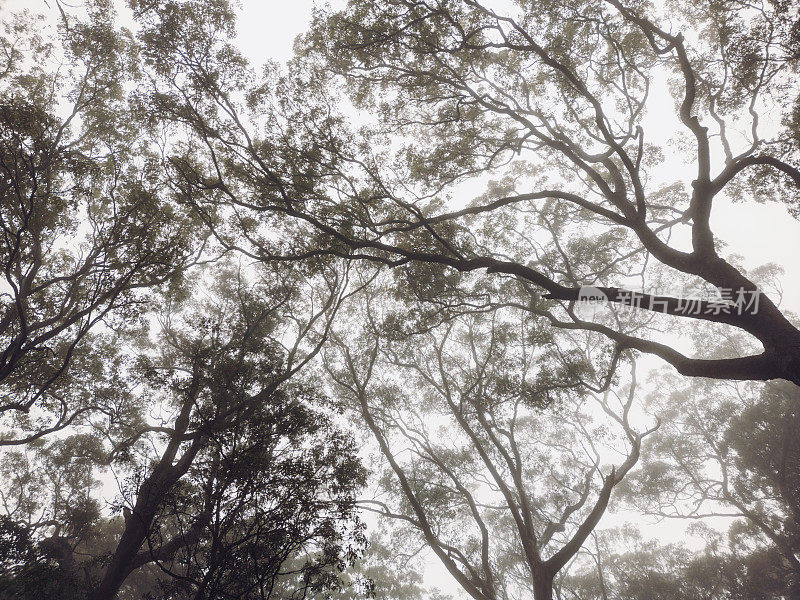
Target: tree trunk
137 525
151 493
543 587
119 568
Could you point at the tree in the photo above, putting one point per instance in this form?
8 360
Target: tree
544 109
49 518
550 101
568 85
238 484
88 228
493 459
649 571
385 572
711 459
240 481
270 476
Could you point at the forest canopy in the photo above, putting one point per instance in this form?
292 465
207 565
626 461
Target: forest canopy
437 308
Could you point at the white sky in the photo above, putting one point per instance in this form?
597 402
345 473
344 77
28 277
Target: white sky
267 28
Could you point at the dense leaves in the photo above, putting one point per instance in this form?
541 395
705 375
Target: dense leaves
88 227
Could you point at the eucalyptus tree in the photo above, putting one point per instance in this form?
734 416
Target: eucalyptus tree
494 453
87 224
252 471
234 479
624 566
552 104
549 101
729 451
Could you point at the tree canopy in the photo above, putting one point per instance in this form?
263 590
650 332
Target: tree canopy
421 277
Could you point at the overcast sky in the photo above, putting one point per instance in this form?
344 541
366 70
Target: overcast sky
267 28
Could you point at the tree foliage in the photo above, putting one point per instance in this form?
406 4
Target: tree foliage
499 464
209 267
88 225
